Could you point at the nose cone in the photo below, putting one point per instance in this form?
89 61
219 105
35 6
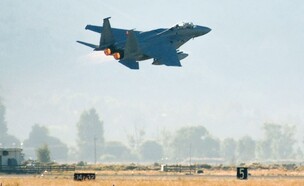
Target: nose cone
202 30
207 30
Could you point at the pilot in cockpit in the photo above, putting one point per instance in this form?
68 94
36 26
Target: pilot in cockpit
183 25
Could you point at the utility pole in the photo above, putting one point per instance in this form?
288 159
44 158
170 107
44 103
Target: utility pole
95 150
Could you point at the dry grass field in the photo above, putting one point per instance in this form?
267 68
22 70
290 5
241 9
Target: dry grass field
154 178
118 175
32 181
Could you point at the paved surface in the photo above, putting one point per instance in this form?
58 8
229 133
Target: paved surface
150 177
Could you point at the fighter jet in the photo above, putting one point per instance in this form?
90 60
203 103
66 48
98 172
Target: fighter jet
130 46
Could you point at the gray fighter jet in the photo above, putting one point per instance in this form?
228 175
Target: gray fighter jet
130 46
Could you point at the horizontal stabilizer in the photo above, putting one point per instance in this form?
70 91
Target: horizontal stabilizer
94 28
88 44
181 55
132 64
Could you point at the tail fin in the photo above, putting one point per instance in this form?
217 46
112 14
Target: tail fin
106 38
131 48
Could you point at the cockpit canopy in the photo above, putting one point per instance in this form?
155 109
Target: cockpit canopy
183 26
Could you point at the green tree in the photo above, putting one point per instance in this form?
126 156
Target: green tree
287 142
246 149
39 136
187 137
211 147
228 150
117 152
196 138
299 154
263 149
90 133
43 154
151 151
278 142
3 126
165 140
5 139
136 139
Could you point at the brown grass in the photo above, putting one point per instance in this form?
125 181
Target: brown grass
66 180
122 177
181 182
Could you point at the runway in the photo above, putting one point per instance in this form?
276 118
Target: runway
155 176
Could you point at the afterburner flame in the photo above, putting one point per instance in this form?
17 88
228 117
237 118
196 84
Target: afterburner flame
117 55
108 51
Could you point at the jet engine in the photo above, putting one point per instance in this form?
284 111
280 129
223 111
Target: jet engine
108 51
118 55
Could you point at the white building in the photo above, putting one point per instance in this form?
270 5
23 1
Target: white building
11 156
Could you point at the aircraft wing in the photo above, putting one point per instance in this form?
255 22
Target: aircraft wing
119 34
164 54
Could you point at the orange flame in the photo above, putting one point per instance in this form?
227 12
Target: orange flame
107 51
117 55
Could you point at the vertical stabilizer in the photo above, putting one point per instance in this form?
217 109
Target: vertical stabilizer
131 48
107 38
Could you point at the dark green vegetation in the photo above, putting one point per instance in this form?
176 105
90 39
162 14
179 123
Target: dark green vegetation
43 154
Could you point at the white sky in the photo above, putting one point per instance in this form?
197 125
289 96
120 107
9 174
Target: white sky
248 70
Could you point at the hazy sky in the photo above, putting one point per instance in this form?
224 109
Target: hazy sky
248 70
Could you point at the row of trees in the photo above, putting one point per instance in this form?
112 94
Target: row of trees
278 143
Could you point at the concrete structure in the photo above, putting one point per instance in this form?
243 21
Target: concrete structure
11 156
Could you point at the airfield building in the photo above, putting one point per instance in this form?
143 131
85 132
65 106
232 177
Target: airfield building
11 157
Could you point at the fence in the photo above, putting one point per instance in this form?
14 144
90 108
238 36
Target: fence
35 169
